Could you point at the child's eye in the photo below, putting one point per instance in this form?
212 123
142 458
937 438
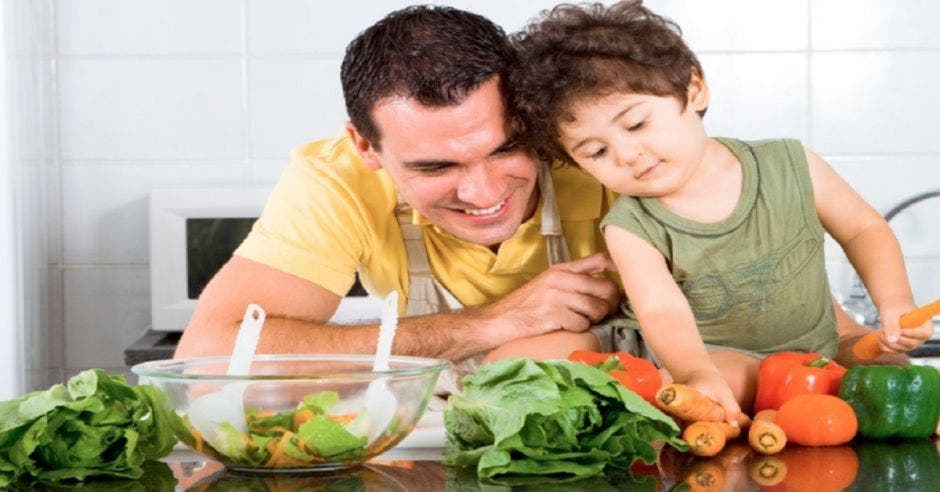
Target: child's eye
637 126
599 153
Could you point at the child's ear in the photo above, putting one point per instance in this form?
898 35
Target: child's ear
697 95
365 148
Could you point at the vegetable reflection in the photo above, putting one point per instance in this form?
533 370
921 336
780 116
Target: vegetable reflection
362 479
895 466
465 480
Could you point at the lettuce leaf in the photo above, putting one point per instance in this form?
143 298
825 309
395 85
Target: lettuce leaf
558 419
315 439
95 425
330 439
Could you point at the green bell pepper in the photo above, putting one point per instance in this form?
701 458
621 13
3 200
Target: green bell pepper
893 401
897 466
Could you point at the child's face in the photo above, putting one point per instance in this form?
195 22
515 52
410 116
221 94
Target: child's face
638 144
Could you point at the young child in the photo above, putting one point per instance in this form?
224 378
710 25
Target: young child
718 242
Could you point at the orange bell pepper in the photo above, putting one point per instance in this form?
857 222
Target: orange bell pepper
637 374
787 374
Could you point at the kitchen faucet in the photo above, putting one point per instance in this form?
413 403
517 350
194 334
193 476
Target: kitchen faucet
858 303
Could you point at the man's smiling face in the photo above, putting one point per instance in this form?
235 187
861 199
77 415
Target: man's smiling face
456 165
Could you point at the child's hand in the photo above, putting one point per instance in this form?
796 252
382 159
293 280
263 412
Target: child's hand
711 384
892 338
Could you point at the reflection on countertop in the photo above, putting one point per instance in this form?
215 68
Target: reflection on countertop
911 466
864 466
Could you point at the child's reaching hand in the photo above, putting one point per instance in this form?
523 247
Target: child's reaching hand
712 385
892 338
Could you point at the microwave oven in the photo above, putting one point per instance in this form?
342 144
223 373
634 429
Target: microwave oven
193 232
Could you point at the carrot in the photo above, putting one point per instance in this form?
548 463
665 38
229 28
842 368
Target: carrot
277 428
198 438
343 419
767 470
867 348
684 402
765 436
300 417
708 438
278 452
248 440
705 476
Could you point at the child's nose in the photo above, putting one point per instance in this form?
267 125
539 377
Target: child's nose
627 156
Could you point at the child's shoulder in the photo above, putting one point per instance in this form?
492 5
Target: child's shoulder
767 152
763 144
627 210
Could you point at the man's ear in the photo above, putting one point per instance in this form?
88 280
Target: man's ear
697 95
364 147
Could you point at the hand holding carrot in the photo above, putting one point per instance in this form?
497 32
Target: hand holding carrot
904 328
688 404
711 385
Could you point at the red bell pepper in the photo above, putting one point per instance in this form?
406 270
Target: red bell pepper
787 374
588 357
635 373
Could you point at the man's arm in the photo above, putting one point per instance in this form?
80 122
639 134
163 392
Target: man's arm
567 296
297 315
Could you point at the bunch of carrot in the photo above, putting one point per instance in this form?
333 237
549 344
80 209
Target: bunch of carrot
706 431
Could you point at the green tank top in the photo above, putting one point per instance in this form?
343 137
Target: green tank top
757 279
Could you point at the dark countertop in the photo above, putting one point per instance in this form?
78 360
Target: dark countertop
153 345
909 466
906 465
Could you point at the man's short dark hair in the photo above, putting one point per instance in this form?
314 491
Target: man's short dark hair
436 55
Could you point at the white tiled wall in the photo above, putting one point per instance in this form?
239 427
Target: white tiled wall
216 92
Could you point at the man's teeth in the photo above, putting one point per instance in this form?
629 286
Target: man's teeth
485 211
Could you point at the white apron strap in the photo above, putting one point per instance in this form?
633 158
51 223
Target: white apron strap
427 296
551 220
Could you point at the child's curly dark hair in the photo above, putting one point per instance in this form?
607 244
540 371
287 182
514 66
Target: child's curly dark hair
572 52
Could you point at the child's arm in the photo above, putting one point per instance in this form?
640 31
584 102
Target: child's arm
665 317
872 249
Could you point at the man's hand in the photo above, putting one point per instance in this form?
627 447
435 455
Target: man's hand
567 296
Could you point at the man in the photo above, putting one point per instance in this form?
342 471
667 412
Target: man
426 194
425 93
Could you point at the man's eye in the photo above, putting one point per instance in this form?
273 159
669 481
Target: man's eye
508 148
433 170
599 153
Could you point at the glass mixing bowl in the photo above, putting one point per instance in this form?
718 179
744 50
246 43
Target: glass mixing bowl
293 412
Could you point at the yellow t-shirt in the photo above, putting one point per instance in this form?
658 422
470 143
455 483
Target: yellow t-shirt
330 215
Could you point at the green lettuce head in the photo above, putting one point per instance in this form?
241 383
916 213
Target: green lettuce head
557 419
96 425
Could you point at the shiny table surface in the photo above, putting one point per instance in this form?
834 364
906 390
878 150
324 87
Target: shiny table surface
874 466
863 466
